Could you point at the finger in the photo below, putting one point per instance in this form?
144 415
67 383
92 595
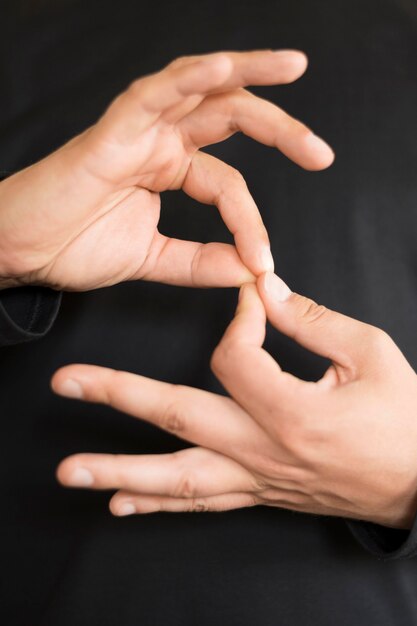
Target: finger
190 473
220 116
148 97
219 72
192 264
259 67
248 372
125 503
345 341
197 416
211 181
256 67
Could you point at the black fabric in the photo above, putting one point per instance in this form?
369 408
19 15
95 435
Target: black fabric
345 237
26 313
385 543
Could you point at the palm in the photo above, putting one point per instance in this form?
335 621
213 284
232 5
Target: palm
129 212
95 259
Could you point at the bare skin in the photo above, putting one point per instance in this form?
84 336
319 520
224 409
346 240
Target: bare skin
87 215
343 446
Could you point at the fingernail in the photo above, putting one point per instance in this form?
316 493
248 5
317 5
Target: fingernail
71 388
267 260
81 477
276 288
127 508
318 144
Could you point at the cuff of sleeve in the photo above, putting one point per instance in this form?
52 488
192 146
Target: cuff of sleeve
385 543
27 313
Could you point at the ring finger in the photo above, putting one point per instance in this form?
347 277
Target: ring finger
190 473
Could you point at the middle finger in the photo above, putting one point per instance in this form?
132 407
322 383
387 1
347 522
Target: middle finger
222 115
184 474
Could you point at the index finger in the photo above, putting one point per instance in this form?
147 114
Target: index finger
148 97
197 416
252 377
212 181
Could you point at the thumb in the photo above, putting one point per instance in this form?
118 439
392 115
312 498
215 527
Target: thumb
343 340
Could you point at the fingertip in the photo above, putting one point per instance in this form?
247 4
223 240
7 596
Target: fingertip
296 63
71 472
119 506
304 60
81 382
266 259
320 154
65 383
114 504
59 473
58 378
272 288
255 255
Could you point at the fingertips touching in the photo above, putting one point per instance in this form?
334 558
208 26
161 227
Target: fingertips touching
194 264
248 325
272 288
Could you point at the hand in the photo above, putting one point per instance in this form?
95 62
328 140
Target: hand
87 215
343 446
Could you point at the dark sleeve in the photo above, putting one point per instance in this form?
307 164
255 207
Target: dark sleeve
385 543
26 313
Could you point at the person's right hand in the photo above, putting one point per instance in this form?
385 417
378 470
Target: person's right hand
343 446
87 215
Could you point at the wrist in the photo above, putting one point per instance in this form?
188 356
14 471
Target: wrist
12 263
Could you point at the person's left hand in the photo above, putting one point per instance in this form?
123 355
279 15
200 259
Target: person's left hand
343 446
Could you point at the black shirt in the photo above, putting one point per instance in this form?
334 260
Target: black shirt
346 237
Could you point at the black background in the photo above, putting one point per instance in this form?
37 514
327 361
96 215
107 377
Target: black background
346 237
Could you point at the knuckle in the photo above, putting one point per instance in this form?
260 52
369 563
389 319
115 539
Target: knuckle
300 131
235 178
179 62
136 87
286 499
231 188
142 89
173 417
377 340
109 390
198 506
267 467
308 311
186 486
259 481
